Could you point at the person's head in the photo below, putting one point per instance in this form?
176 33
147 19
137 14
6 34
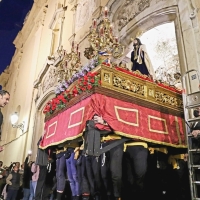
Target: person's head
15 168
4 98
17 164
22 166
137 42
196 112
1 163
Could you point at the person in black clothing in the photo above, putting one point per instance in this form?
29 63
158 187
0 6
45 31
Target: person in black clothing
195 131
26 178
4 99
49 180
196 126
2 177
13 180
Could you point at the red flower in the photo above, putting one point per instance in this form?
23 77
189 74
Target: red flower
89 74
75 91
47 108
85 78
89 87
92 80
53 107
61 98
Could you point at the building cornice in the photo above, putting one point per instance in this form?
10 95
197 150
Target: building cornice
30 22
4 77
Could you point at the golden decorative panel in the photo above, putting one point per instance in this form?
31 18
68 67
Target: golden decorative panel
145 90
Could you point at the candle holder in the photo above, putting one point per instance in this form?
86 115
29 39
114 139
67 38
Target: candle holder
70 63
102 38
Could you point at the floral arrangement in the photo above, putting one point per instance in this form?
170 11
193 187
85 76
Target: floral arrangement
84 70
84 84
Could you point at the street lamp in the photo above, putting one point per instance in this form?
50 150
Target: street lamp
14 118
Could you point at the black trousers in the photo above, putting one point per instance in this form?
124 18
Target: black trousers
104 173
82 175
134 168
40 183
113 167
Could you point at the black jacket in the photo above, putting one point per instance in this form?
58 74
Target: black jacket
27 174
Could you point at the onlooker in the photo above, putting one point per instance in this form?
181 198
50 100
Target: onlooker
21 172
4 192
4 99
35 169
195 131
2 176
26 178
13 181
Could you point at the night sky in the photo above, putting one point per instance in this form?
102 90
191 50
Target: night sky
12 14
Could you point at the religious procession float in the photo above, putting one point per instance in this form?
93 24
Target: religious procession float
133 105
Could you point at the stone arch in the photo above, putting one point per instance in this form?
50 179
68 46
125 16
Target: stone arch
40 118
151 16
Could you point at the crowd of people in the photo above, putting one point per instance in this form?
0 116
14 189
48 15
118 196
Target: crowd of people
126 171
18 182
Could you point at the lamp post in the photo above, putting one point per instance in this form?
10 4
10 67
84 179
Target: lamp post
14 118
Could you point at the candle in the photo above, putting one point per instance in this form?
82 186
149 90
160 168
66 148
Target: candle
66 64
101 30
72 44
106 12
79 54
77 47
94 23
111 28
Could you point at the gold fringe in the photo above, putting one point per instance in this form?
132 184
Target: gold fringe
173 160
135 144
162 149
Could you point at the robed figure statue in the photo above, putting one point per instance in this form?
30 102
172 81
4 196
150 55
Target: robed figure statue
141 60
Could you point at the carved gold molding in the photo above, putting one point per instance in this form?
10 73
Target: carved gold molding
142 89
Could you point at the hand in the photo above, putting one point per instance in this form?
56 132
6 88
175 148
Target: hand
195 133
98 120
185 157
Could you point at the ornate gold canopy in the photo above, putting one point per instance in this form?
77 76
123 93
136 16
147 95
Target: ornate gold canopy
102 39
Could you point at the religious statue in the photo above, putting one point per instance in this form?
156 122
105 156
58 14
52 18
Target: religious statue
141 60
